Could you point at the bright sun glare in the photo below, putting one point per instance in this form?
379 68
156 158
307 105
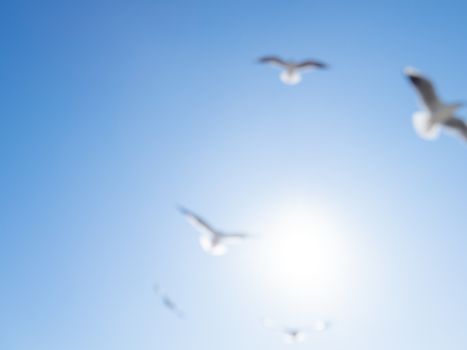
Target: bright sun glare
305 249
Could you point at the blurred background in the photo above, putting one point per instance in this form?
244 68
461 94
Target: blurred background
115 112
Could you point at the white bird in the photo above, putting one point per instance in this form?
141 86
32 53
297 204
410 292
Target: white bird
168 302
435 113
212 240
294 335
292 71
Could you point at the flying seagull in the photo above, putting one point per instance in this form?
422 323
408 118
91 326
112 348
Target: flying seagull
435 113
212 240
168 302
294 335
292 71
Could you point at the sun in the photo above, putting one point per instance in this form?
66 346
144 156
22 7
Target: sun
305 248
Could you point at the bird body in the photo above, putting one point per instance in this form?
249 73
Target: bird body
212 244
292 71
212 241
291 76
435 114
294 335
168 302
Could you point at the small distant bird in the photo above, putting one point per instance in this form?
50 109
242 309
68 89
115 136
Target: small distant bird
292 71
435 114
294 335
212 240
168 302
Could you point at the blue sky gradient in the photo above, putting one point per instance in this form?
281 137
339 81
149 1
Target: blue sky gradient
114 112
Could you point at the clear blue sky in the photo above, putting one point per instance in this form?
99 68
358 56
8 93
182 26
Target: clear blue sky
114 112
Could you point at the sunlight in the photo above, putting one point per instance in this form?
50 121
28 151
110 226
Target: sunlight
305 249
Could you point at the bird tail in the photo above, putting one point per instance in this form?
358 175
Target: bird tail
424 126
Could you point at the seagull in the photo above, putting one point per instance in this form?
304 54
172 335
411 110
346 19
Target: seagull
168 302
212 240
435 113
294 335
291 71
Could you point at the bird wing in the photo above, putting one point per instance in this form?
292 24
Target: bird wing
168 302
311 64
424 88
458 126
233 238
275 61
197 222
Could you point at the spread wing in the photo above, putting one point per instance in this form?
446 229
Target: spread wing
458 126
233 238
197 222
275 61
311 64
424 88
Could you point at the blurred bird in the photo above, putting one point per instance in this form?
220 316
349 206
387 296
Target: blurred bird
211 240
292 71
168 302
435 113
294 335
